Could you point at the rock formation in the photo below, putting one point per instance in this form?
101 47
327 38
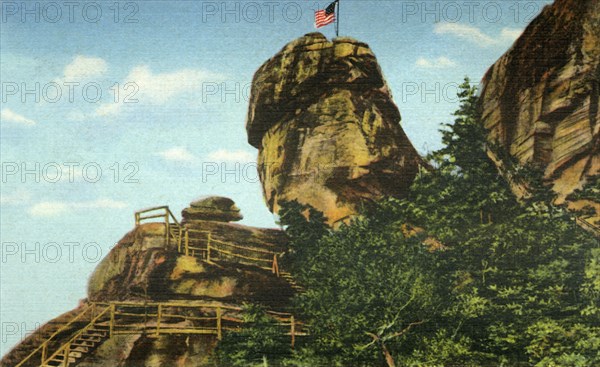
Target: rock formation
143 267
214 208
540 100
327 130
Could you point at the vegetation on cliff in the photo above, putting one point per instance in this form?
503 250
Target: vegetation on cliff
517 282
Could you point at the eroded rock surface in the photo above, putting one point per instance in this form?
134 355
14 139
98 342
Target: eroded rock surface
142 266
215 208
540 100
327 129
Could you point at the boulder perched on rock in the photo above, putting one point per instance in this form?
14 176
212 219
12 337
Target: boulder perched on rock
327 130
540 101
215 208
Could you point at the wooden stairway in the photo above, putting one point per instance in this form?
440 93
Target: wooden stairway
151 318
79 348
102 325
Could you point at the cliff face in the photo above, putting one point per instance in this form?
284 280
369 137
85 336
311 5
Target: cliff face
327 130
141 266
540 100
144 268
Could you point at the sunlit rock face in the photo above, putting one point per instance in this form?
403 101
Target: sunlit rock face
540 100
327 129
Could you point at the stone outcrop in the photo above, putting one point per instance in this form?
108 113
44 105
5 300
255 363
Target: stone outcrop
141 266
215 208
327 130
144 267
540 100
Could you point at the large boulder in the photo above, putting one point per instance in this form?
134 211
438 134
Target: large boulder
327 129
142 266
215 208
540 100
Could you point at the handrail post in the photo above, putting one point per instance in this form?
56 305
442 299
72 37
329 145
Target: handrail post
137 219
275 265
208 247
293 330
159 316
167 227
219 324
93 312
111 324
67 349
44 352
187 243
179 240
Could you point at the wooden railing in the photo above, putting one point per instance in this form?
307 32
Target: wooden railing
155 319
42 350
210 249
65 349
165 318
264 259
585 224
173 229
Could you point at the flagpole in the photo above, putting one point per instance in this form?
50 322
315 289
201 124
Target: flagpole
337 23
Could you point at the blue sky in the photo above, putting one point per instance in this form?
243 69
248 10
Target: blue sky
184 69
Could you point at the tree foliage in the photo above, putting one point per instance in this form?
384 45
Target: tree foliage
261 342
517 283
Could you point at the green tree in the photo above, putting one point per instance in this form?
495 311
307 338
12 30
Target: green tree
260 342
367 288
516 284
305 226
514 279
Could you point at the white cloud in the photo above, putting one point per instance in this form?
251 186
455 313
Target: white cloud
76 116
108 109
54 208
223 155
7 115
84 68
158 88
439 63
510 34
178 154
19 196
466 32
475 35
141 85
48 209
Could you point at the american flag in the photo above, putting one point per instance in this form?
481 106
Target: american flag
325 17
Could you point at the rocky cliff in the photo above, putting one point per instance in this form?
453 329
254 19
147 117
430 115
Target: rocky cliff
540 100
144 268
327 129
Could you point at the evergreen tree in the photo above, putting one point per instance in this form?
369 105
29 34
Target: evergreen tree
261 342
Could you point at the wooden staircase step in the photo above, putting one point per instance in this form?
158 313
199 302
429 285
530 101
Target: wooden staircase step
83 344
95 334
93 339
60 360
80 349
